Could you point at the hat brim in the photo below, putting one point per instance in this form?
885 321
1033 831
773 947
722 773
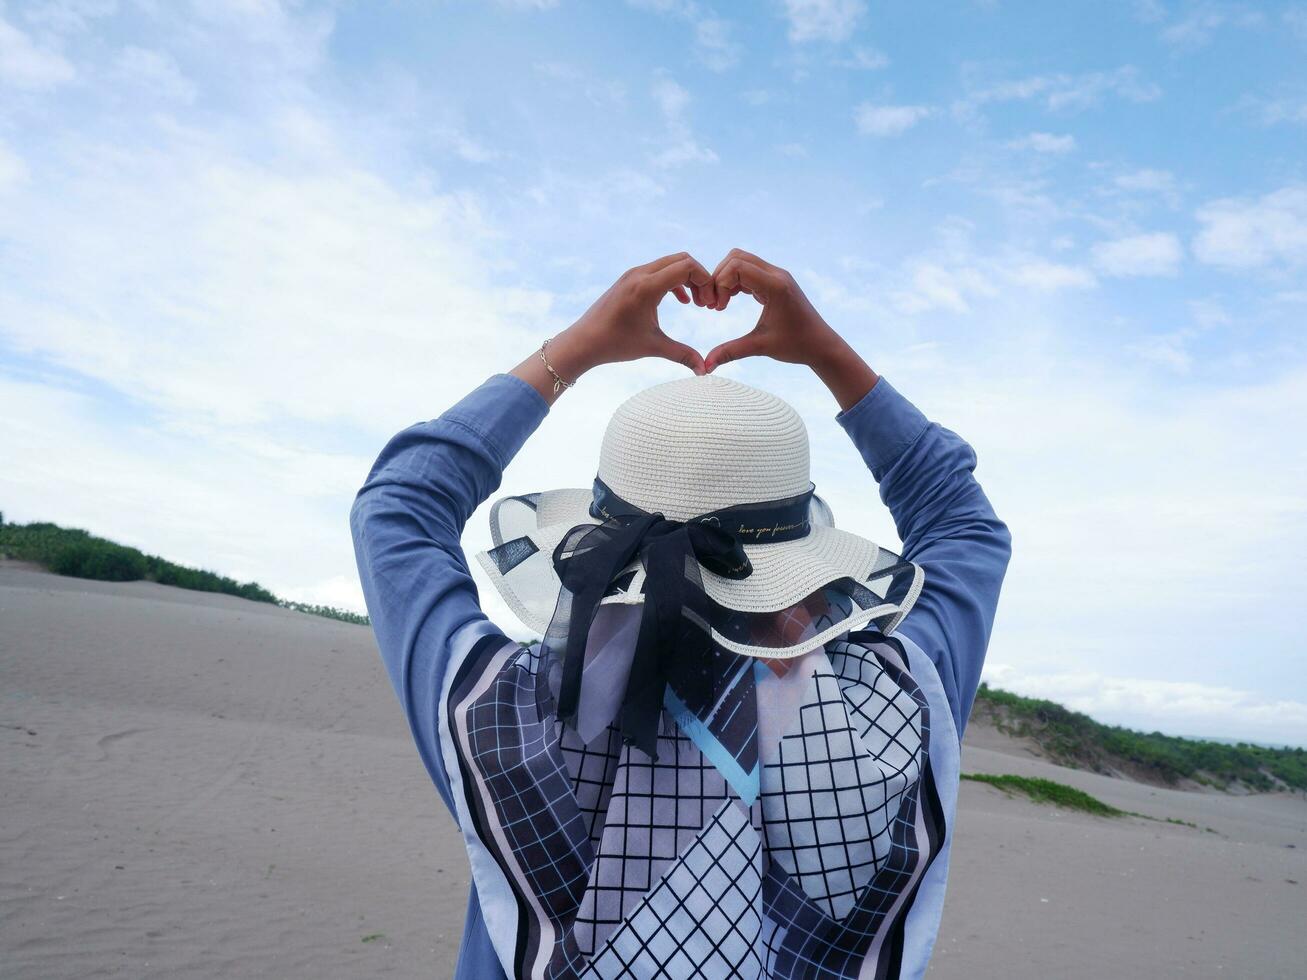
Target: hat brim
786 576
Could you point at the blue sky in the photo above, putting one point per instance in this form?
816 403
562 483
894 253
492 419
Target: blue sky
243 243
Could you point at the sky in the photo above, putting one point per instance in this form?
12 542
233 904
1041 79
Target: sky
243 243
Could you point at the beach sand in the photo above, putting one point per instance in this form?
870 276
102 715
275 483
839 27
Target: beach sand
199 786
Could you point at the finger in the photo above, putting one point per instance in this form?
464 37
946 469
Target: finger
681 353
739 253
704 292
724 297
747 346
679 293
725 293
658 263
683 272
742 275
750 257
725 258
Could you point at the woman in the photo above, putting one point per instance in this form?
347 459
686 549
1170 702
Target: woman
735 751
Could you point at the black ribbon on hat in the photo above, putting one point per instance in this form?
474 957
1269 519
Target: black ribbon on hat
674 641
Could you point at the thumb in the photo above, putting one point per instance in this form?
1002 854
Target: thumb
750 345
681 353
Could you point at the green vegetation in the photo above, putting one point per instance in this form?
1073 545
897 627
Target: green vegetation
71 551
331 612
1060 794
372 937
1048 791
1076 740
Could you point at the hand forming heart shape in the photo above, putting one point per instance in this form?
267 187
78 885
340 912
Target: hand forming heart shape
622 324
624 321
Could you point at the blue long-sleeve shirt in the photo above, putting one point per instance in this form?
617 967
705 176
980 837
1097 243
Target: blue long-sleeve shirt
409 515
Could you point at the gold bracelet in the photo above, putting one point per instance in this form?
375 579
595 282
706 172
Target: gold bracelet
559 383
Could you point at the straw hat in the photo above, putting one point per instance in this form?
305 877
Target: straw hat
687 448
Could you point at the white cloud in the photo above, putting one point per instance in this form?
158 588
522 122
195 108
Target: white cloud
1060 91
210 503
955 278
1249 233
683 152
1044 143
1149 11
1137 186
672 100
1200 23
1179 707
682 147
155 71
1050 276
1162 509
26 65
1153 254
823 20
1209 313
888 120
1295 18
604 92
1167 350
68 16
715 45
864 59
13 171
1146 181
1272 112
325 277
933 286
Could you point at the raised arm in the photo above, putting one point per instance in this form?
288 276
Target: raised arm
407 520
409 515
947 526
925 473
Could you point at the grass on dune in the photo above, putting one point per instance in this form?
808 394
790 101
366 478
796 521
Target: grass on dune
1048 791
1059 794
1077 741
72 551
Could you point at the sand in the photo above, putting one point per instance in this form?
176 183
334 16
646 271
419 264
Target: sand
201 786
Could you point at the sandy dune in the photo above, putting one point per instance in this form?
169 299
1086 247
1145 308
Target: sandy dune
200 786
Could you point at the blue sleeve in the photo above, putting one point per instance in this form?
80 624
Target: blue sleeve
407 520
947 526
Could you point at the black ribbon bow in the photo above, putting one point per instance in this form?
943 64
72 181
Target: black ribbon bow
674 644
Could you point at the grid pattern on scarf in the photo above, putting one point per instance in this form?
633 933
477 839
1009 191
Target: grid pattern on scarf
701 920
642 868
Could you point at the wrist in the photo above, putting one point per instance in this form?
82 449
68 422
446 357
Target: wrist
571 353
843 371
556 364
830 352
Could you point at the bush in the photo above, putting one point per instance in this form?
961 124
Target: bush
330 612
99 559
72 551
1048 791
1076 740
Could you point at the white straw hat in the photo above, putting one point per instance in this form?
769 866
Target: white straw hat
688 448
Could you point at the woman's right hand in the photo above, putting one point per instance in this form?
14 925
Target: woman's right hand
622 324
